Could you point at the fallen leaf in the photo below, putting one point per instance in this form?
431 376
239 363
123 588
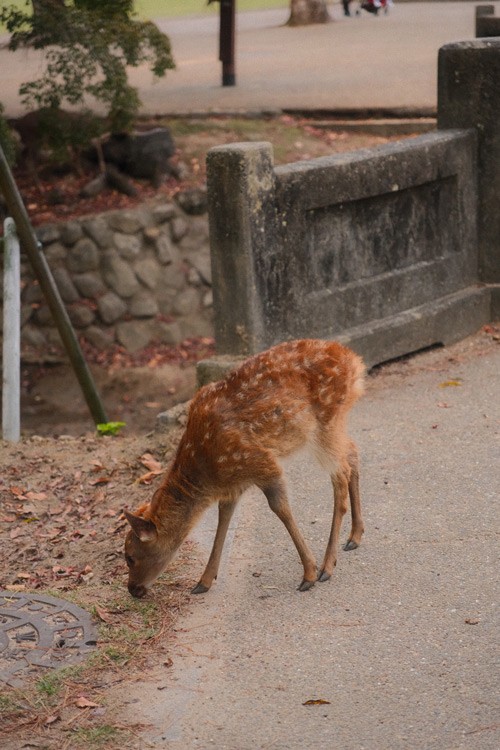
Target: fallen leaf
17 491
36 495
450 384
100 480
148 478
103 615
472 621
151 463
83 702
51 719
316 702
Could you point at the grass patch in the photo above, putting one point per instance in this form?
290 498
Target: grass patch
95 736
159 9
7 704
150 9
49 684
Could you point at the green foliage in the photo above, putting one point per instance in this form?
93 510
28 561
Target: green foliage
65 134
89 45
7 141
110 428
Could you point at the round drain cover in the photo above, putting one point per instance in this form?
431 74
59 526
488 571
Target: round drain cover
41 631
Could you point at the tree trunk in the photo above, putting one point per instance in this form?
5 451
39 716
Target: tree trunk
303 12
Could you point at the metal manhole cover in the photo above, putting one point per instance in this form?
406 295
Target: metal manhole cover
41 631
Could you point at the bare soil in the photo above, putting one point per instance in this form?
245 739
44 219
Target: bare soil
133 389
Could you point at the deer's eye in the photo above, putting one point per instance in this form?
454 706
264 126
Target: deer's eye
129 560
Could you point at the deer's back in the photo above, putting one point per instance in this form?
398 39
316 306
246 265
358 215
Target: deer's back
275 402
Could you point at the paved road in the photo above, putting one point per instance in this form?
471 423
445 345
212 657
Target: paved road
401 641
388 61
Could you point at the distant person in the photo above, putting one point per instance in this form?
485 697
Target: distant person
346 4
373 6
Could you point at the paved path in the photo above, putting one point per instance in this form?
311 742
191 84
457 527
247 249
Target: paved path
402 641
358 62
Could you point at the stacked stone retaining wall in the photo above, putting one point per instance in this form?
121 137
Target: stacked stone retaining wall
132 278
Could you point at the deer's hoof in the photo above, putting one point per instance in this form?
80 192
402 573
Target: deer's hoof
306 585
348 546
324 576
200 588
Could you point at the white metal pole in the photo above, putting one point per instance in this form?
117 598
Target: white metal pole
11 391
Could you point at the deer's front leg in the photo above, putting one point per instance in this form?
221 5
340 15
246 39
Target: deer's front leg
226 510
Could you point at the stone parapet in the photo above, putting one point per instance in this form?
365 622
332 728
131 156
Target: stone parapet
392 249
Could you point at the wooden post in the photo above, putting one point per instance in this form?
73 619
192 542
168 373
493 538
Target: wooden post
227 36
11 386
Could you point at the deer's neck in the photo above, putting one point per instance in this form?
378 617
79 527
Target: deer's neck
177 506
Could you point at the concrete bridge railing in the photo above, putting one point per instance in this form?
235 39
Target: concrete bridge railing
388 249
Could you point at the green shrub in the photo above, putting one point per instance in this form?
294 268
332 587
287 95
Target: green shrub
88 46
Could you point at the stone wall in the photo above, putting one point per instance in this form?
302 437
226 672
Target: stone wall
127 277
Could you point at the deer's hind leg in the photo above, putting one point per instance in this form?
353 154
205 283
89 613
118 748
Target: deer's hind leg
340 481
338 454
275 492
357 527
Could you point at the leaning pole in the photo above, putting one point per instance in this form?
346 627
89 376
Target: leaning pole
30 246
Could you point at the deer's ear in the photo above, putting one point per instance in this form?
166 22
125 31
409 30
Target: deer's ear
143 528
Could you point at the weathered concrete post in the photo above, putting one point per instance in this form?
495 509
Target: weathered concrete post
487 24
242 220
469 97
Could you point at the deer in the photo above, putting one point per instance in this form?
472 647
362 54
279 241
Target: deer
296 394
